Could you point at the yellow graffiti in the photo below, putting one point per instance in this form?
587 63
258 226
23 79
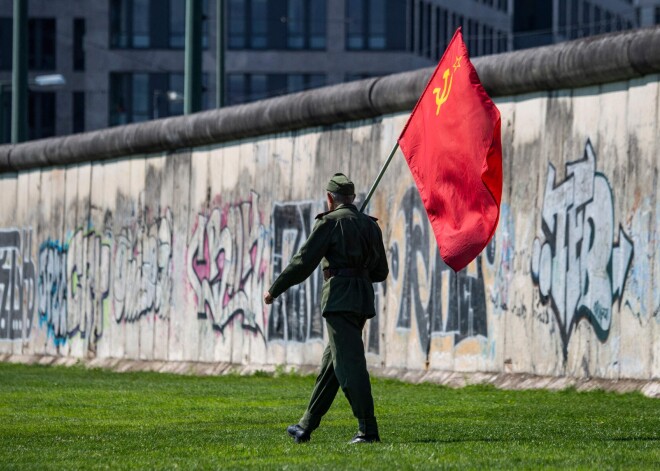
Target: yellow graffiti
442 95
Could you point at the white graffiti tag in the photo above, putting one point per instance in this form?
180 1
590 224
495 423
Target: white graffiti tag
578 268
142 276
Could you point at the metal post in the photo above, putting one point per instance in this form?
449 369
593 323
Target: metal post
193 61
19 73
379 177
220 54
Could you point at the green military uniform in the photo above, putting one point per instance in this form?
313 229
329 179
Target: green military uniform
349 245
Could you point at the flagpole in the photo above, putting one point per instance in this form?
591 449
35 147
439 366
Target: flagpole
380 175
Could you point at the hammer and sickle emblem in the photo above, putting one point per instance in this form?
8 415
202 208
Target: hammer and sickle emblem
441 98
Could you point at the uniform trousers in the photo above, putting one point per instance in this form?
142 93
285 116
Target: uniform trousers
343 365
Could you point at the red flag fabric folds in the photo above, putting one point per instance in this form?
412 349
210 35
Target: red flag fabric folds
452 143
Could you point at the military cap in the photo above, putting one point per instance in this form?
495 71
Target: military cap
340 184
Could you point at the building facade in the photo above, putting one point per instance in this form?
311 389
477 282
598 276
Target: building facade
123 60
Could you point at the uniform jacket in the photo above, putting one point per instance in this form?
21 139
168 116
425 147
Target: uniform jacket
343 238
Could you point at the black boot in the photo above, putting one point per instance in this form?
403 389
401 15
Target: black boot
299 434
362 438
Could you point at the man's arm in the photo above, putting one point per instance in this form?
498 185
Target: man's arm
380 270
304 262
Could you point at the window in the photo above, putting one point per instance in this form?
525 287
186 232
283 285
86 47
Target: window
608 21
418 27
317 24
78 112
243 88
41 44
502 43
300 82
140 98
237 23
488 44
356 76
440 30
575 21
532 24
41 115
355 25
428 38
174 103
78 44
140 24
586 19
306 21
376 35
597 20
177 33
6 29
467 34
136 97
151 24
259 21
377 24
120 24
410 14
295 21
236 89
282 24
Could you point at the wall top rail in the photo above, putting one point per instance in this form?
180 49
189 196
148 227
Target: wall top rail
589 61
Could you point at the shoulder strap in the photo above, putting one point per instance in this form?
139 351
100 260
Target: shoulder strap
320 215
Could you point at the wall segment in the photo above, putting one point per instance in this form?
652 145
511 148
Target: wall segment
159 245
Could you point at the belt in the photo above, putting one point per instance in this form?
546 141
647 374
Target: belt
348 272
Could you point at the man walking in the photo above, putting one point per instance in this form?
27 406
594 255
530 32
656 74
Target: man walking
350 246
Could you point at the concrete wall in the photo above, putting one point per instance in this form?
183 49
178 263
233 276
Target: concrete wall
165 256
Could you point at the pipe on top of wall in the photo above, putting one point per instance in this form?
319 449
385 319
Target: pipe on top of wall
588 61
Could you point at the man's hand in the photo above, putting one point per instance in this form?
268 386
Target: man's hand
268 299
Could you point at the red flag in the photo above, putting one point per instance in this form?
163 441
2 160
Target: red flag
452 143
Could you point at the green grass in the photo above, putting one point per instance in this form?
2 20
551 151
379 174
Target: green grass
53 417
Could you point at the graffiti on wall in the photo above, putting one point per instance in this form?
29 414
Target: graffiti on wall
296 315
576 264
642 281
142 270
73 286
17 284
499 255
227 265
440 300
76 277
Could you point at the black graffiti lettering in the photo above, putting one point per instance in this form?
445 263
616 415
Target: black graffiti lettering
461 308
17 284
296 315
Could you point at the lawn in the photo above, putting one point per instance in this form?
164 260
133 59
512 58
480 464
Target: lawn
74 418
